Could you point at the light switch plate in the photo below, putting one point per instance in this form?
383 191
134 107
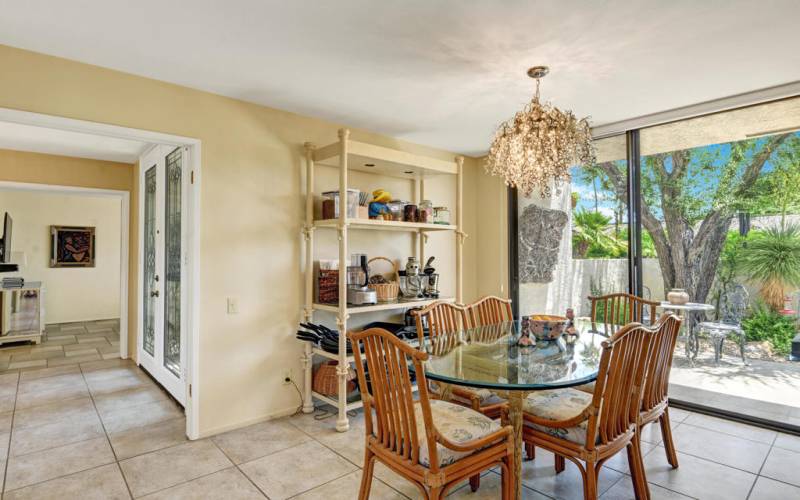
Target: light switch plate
233 305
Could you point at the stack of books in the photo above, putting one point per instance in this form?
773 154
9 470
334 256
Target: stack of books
13 282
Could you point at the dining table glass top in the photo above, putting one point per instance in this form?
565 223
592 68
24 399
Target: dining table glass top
489 357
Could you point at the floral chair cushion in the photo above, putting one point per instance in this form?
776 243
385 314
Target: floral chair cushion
588 388
559 404
454 422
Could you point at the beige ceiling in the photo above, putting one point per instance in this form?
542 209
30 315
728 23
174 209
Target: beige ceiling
442 73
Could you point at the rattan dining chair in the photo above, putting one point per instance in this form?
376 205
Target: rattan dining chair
446 322
588 429
434 444
615 310
490 310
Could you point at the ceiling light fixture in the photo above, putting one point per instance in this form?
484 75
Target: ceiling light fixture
536 148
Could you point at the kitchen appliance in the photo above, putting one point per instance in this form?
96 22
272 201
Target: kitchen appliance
358 293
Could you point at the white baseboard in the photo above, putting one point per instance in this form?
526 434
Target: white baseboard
264 418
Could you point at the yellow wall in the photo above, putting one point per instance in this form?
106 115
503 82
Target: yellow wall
37 168
252 212
71 294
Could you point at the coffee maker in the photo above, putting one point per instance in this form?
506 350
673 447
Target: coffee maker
358 293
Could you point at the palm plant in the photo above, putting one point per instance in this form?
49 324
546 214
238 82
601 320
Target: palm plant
773 260
590 231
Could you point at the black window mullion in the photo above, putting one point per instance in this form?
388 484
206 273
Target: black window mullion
635 284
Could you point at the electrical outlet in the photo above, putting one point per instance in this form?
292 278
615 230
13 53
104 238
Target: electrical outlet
287 376
233 305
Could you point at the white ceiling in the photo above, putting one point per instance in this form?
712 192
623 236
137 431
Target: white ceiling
442 73
59 142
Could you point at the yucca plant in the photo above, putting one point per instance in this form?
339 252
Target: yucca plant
772 259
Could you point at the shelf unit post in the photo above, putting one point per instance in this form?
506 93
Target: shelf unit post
306 361
342 369
460 230
423 238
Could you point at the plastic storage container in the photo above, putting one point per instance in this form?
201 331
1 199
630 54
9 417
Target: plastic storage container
333 196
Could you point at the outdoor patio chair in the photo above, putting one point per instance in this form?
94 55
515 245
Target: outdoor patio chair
732 308
615 310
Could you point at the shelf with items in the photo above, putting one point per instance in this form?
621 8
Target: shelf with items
385 306
347 155
384 225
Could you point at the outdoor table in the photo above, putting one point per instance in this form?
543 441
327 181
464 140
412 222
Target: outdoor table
692 342
489 358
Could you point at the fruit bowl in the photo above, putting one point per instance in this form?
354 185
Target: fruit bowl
545 326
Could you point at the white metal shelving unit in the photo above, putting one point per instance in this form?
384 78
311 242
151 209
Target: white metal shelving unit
346 155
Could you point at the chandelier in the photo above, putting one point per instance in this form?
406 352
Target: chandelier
536 148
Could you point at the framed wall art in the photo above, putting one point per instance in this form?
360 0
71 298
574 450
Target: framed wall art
72 246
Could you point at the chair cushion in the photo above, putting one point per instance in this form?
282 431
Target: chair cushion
588 388
456 423
559 404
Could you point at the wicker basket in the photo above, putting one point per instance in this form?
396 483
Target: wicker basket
386 292
326 380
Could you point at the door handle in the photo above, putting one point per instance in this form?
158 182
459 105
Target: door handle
154 293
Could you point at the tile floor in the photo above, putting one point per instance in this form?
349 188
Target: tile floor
103 429
63 345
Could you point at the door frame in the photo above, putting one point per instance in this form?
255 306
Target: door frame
194 146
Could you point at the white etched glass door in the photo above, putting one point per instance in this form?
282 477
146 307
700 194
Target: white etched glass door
162 341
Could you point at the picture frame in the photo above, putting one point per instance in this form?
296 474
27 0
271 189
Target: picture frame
72 246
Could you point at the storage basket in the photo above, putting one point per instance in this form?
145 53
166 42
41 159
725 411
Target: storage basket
326 380
386 292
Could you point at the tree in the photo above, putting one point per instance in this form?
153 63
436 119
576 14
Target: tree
773 260
590 235
776 192
690 197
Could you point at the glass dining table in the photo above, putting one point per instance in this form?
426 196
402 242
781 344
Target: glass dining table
490 357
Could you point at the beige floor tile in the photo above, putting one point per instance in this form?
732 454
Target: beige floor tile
5 421
619 462
56 462
623 490
116 381
45 347
768 489
71 360
540 475
123 419
62 340
88 368
101 483
111 355
31 375
788 442
734 428
81 352
40 398
165 468
63 381
255 441
56 434
489 490
8 380
27 364
74 410
7 402
652 432
346 488
295 470
38 354
782 465
395 481
124 399
141 440
227 484
349 445
697 477
722 448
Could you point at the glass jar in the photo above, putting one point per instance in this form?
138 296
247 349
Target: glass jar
441 215
425 212
396 210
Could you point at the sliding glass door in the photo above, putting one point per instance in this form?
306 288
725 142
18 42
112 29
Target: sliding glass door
716 203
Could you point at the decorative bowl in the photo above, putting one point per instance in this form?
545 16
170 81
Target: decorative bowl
547 327
678 296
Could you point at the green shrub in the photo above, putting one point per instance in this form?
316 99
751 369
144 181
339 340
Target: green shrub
766 324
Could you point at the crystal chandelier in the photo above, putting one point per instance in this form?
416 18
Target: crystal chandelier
536 148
